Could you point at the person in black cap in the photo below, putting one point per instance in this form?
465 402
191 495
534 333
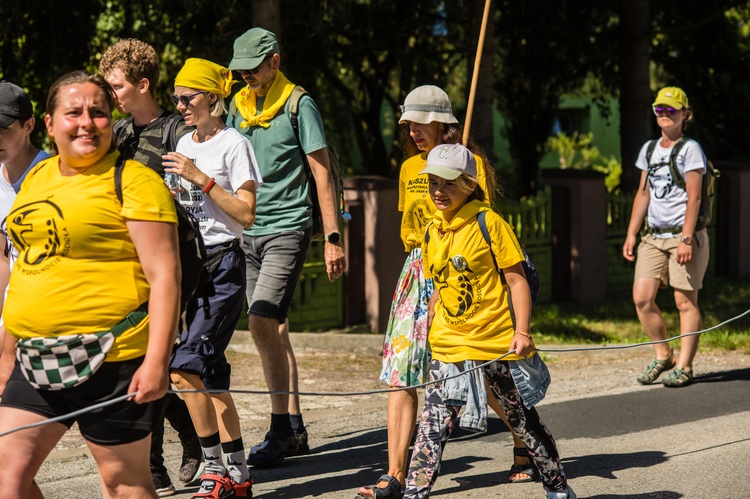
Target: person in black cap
276 245
17 156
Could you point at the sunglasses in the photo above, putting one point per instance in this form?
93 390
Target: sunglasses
660 110
184 99
257 68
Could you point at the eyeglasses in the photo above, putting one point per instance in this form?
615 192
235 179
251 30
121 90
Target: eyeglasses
660 110
184 99
257 68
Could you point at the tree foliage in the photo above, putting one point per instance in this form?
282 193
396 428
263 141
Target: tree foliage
359 59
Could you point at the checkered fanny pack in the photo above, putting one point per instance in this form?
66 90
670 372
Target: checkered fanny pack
61 362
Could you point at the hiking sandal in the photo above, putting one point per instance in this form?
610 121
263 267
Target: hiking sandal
214 486
655 369
527 469
678 378
393 490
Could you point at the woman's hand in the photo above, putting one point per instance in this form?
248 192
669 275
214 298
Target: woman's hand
175 162
151 381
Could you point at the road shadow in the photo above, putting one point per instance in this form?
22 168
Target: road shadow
724 376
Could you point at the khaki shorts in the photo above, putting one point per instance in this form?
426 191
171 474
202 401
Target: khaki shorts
657 259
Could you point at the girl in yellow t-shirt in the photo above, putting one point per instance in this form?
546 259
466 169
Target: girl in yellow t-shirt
473 323
428 122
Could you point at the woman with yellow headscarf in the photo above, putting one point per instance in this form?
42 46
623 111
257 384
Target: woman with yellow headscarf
216 168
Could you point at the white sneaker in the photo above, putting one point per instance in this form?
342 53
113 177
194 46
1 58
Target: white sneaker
568 494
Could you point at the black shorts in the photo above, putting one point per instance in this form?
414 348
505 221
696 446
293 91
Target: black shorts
121 423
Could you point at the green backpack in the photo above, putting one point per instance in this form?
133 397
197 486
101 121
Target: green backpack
708 184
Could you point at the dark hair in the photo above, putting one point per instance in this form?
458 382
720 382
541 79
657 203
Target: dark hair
76 78
452 133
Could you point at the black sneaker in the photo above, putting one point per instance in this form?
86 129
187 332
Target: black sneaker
162 483
273 450
302 446
191 471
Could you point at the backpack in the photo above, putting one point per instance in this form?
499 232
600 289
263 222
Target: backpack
708 182
333 157
532 276
338 180
168 130
193 256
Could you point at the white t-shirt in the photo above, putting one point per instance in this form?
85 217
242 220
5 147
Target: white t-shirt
668 203
228 157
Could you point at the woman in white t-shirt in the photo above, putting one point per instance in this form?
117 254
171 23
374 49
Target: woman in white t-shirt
674 244
218 175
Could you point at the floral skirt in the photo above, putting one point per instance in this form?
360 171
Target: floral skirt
405 350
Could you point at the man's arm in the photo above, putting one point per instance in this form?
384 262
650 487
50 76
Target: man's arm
321 170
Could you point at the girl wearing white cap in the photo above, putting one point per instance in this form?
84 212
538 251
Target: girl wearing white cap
674 243
428 121
475 262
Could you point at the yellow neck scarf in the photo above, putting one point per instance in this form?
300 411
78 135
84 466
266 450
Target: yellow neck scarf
276 97
468 212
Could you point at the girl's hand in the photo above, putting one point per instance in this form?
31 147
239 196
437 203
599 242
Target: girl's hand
628 249
521 344
684 253
175 162
151 381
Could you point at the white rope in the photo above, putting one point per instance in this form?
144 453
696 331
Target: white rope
371 392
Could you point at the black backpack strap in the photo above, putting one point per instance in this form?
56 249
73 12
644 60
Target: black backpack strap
169 132
486 234
676 175
119 165
119 128
649 152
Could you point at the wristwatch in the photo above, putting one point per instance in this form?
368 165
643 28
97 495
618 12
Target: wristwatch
333 237
686 239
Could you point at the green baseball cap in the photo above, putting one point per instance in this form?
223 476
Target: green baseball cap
252 47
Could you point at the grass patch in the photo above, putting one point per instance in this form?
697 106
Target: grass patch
616 321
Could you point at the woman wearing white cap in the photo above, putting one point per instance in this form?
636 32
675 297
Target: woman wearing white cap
674 243
428 121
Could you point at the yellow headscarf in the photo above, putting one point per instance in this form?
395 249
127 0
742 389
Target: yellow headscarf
277 95
201 74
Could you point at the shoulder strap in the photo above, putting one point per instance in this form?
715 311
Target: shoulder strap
119 165
673 170
294 99
650 151
169 132
486 234
120 125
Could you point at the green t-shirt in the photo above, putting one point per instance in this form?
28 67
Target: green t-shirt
283 202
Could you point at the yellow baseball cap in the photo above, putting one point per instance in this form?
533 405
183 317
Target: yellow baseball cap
671 96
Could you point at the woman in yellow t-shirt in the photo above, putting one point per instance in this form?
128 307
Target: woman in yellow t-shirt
86 261
428 121
475 322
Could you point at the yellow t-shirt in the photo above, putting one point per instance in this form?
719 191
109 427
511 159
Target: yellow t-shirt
472 318
77 270
415 202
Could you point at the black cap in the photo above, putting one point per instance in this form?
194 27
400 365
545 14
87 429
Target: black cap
14 104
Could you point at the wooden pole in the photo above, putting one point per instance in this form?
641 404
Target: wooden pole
475 75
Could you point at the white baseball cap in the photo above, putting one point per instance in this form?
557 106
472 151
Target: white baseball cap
449 161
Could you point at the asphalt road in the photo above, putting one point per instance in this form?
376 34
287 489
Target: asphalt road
632 442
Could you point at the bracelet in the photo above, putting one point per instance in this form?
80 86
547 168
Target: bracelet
523 334
210 185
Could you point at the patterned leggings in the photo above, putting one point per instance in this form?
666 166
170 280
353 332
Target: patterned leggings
438 421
